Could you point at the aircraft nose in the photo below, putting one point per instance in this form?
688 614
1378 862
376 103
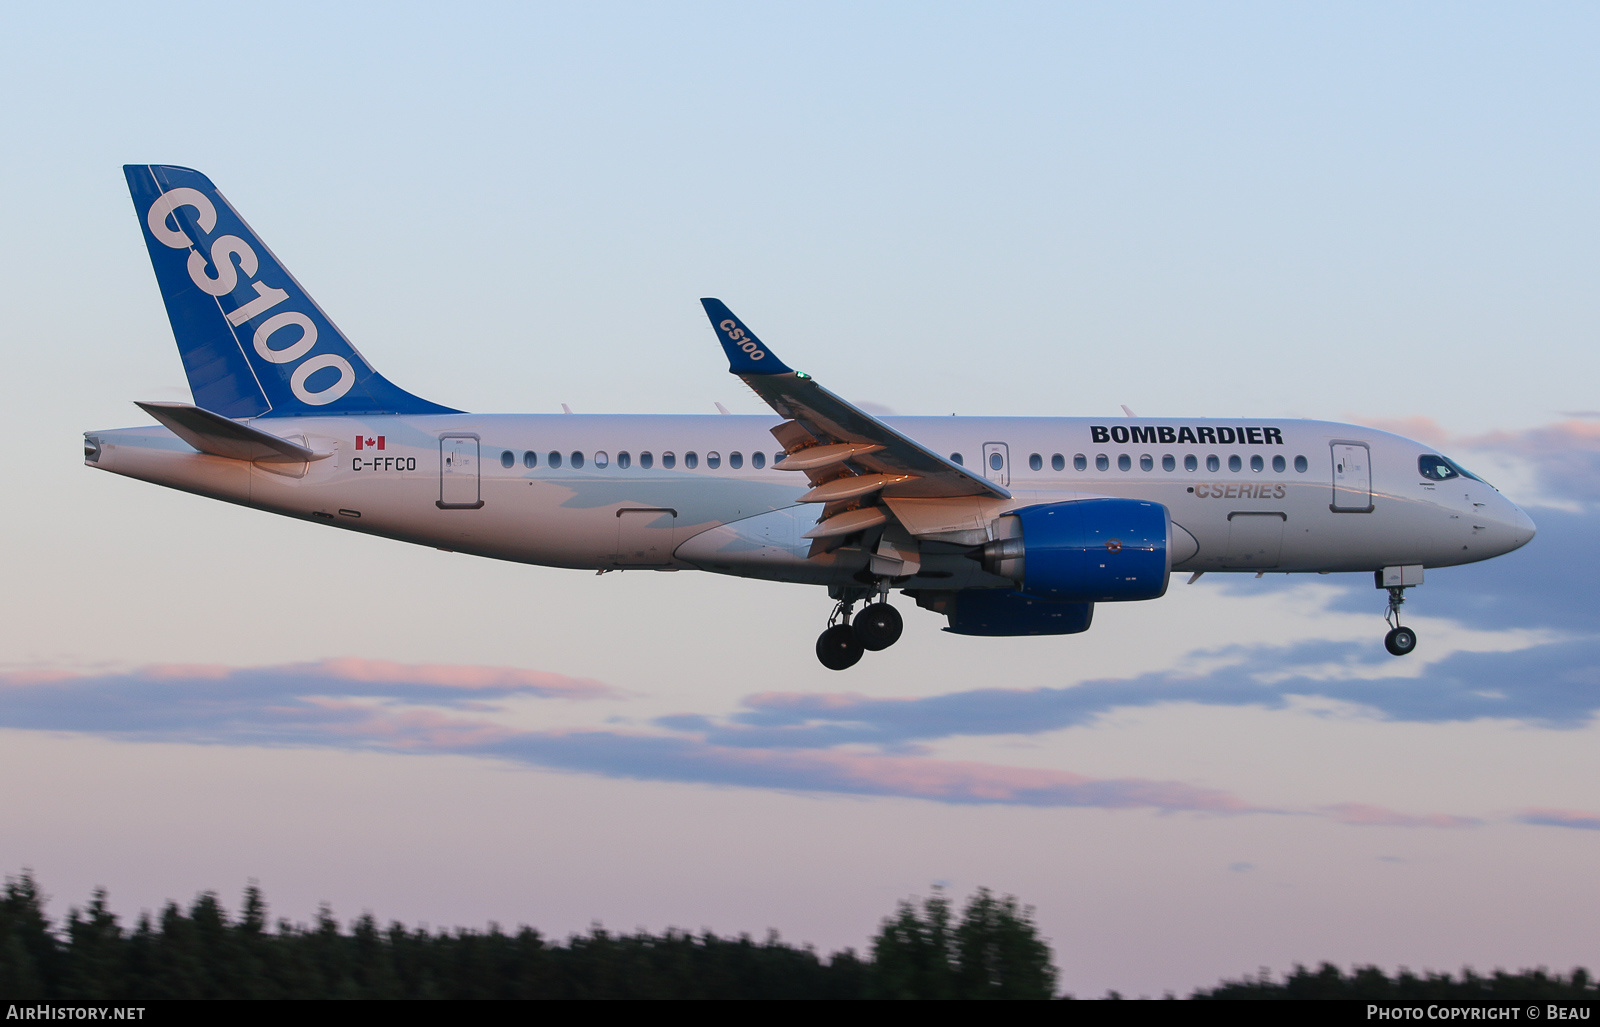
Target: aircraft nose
1508 527
1522 527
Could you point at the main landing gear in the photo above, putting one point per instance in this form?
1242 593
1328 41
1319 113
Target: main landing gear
1400 640
876 627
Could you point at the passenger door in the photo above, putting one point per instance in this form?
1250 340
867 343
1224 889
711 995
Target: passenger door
1352 478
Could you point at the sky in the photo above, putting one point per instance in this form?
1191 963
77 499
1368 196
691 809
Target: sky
1371 212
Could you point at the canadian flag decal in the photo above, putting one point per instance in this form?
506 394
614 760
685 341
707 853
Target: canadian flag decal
369 441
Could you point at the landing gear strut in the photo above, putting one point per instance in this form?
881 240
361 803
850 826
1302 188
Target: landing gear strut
1395 580
876 627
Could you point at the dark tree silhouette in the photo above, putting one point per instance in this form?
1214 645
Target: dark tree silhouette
994 952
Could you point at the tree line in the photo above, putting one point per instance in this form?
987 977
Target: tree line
924 950
992 950
1369 983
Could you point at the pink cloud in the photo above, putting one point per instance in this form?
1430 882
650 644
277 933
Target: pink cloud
1548 817
1423 429
463 676
1362 815
807 700
928 778
1562 435
329 672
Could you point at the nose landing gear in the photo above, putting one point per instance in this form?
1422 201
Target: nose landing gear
876 627
1400 640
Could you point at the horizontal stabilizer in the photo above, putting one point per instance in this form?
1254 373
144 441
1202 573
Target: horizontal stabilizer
219 436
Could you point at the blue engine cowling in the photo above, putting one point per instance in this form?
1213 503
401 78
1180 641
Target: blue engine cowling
1084 551
995 611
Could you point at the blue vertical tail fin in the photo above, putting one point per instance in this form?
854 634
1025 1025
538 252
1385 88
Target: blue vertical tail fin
253 342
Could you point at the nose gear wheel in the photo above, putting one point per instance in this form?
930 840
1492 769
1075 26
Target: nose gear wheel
1400 641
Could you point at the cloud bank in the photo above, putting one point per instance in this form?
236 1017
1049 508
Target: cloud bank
374 706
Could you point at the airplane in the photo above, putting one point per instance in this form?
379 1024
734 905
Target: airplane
1005 526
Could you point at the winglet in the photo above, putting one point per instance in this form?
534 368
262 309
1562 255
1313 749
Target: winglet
746 353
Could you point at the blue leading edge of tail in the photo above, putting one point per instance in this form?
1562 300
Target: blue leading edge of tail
253 342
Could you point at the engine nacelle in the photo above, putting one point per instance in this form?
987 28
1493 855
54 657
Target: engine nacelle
1084 551
996 611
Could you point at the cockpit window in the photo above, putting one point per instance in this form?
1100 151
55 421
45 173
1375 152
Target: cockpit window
1438 468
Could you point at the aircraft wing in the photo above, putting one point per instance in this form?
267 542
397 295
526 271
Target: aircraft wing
846 452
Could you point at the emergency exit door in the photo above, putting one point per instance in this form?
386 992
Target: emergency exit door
997 463
1352 478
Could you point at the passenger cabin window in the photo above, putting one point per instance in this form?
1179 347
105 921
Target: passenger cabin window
1036 462
508 459
1059 463
1124 462
758 460
691 460
776 457
600 459
713 460
1102 462
1300 464
736 460
1080 462
669 461
553 460
955 458
1257 464
1147 463
1235 464
1191 463
1169 463
530 459
647 460
577 458
996 461
1213 464
623 459
1278 465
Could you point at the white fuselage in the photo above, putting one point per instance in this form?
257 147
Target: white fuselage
1283 495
